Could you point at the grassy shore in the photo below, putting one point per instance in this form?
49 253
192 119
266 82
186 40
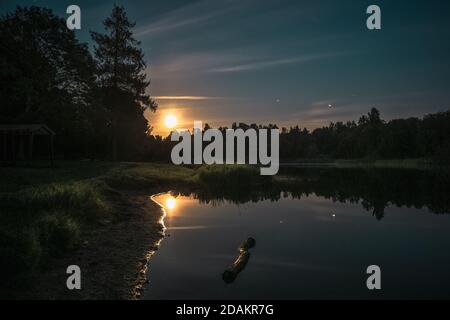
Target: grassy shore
93 214
98 215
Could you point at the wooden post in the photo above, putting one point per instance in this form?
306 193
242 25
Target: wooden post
51 150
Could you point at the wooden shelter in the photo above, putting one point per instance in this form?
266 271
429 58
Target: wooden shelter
16 141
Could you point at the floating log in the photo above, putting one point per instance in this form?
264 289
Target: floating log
247 244
230 274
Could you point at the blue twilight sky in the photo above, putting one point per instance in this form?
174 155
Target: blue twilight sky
284 61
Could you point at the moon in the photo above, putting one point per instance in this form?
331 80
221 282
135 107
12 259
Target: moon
170 121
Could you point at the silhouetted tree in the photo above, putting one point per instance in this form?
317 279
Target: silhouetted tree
371 138
122 78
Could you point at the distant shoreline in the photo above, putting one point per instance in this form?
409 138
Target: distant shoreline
344 163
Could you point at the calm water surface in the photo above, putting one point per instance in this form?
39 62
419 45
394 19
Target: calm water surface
308 245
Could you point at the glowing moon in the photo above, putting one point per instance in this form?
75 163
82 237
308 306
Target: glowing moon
170 121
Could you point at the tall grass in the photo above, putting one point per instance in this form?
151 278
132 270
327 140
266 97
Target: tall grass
135 176
41 222
230 176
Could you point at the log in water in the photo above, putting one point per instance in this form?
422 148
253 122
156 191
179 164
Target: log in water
230 274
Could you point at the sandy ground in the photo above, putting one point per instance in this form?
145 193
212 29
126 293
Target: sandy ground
112 259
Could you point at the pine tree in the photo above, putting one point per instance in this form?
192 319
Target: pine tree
122 78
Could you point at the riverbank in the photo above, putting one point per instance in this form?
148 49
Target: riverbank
366 163
99 216
112 256
93 214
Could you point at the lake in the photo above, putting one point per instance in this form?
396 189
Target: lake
315 236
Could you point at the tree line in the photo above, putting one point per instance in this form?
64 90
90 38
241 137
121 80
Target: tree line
95 101
371 137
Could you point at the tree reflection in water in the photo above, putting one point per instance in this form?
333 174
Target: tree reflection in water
373 188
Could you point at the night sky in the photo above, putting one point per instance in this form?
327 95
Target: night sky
284 62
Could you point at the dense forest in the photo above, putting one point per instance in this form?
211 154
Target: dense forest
369 138
95 100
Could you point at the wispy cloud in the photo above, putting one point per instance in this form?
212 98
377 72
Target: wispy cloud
176 65
196 98
228 62
272 63
191 15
